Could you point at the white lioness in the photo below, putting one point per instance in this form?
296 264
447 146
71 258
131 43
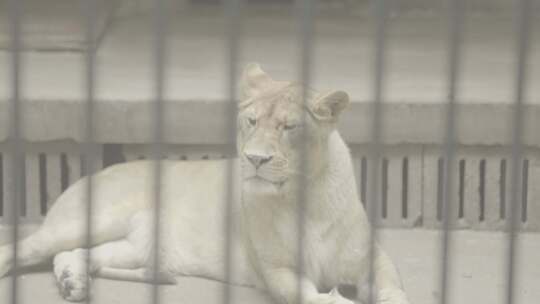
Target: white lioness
194 194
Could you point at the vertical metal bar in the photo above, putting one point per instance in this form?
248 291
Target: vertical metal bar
522 51
375 151
305 14
160 23
16 132
455 33
234 23
89 11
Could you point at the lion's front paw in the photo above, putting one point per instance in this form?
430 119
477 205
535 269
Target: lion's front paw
391 296
73 287
71 275
329 298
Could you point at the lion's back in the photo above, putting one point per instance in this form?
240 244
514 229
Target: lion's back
124 189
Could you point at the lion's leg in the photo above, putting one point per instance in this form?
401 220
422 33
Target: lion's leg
388 286
70 267
142 275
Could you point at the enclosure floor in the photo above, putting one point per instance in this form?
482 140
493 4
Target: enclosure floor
477 276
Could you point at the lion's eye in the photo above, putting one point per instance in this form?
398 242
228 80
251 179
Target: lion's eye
290 127
252 121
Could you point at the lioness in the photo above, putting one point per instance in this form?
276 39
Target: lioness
270 121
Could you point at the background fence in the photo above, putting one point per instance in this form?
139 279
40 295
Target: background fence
411 178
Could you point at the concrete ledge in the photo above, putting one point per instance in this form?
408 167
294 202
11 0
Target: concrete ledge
205 122
55 25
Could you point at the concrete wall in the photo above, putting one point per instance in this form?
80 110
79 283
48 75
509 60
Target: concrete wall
411 172
56 25
205 122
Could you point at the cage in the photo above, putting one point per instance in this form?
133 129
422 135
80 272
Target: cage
441 127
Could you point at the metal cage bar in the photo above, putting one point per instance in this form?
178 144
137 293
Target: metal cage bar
305 12
232 44
305 16
16 133
454 54
523 20
160 25
89 11
375 150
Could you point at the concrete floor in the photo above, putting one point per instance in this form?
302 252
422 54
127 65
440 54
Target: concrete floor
477 275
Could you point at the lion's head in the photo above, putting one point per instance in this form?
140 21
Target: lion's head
272 121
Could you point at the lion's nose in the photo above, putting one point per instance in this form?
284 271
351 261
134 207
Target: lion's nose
258 160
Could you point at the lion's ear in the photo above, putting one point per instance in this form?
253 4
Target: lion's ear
329 105
254 80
